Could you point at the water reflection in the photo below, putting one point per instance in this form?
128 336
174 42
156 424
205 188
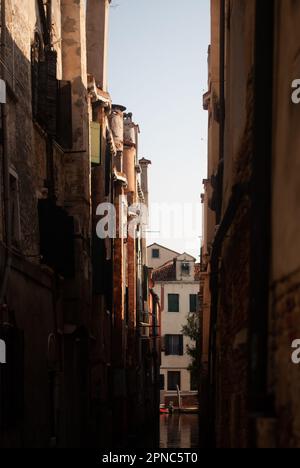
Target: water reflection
179 431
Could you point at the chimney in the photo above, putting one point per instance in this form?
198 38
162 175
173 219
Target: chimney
116 122
131 131
97 18
145 163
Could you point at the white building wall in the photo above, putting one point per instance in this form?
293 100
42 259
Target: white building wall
165 256
172 324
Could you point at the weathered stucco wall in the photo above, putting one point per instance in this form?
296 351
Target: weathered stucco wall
165 255
285 304
172 324
36 299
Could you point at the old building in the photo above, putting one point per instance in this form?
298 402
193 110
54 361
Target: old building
45 224
79 319
177 286
250 257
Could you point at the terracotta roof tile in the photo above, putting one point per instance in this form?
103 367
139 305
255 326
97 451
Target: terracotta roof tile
165 273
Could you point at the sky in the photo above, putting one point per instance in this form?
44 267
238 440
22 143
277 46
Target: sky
158 71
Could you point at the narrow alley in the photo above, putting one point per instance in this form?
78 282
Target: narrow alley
149 226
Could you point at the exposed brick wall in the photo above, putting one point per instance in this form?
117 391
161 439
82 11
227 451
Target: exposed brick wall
232 351
284 380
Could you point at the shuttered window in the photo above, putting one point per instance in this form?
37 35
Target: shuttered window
193 303
64 133
174 345
95 130
51 98
46 106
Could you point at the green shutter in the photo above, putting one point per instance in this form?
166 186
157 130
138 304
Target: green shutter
193 303
173 302
181 350
167 345
95 129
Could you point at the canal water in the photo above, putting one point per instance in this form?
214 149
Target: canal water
179 431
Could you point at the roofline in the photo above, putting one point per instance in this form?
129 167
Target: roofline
189 255
166 248
169 262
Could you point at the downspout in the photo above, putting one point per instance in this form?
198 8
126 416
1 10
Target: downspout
5 160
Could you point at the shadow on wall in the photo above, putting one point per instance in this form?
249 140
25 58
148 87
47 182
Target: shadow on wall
34 385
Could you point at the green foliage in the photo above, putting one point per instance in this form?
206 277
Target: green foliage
192 331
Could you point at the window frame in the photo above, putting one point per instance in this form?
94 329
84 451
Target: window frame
169 303
155 257
173 373
185 269
171 347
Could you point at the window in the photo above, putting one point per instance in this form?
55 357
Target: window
155 253
51 98
185 269
64 128
193 303
44 87
95 130
174 381
57 238
173 302
174 345
14 209
162 382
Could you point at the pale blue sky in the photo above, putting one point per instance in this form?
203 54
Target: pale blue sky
158 70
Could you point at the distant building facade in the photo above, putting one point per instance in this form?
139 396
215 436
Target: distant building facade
177 286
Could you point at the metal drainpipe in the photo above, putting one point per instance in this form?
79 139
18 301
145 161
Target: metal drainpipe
7 213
